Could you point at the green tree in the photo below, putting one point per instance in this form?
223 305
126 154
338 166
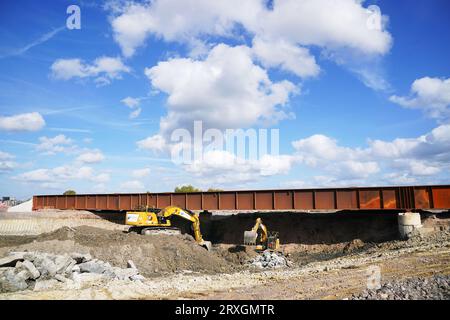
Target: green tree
69 193
214 190
186 188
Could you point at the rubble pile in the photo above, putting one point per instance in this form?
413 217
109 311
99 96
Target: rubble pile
436 287
42 271
269 260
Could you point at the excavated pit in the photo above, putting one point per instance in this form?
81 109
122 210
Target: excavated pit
304 228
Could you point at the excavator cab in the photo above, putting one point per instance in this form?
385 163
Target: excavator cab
266 241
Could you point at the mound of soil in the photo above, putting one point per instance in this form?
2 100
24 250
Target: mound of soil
153 255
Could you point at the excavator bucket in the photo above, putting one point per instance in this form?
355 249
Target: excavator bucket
206 244
250 238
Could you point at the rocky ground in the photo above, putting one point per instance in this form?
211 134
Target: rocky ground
436 287
39 271
175 267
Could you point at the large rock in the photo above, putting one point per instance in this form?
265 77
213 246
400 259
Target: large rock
33 271
12 259
70 267
63 262
93 267
10 281
46 266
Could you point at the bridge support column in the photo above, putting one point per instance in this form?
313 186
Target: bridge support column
409 224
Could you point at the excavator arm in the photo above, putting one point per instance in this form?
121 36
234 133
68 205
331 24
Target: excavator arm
251 236
190 216
266 241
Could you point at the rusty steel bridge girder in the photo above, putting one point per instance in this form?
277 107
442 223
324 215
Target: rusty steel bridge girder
354 198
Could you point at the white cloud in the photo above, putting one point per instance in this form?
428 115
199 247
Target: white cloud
101 178
32 121
225 90
135 113
324 152
422 168
65 69
270 165
343 30
433 146
6 156
223 167
132 186
103 69
5 162
432 95
132 103
62 174
59 143
7 165
327 23
140 173
320 147
175 20
402 160
153 143
92 156
285 55
400 178
38 175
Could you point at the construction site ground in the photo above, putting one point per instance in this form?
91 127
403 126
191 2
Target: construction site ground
175 267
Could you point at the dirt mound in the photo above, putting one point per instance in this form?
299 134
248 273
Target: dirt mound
239 255
153 255
353 245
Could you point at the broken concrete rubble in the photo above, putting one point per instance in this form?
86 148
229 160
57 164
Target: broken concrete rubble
27 265
11 260
269 260
42 271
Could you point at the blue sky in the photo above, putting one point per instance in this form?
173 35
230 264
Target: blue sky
359 90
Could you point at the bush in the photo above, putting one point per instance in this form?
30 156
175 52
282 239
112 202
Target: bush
186 188
69 193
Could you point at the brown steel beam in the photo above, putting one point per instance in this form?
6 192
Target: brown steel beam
428 197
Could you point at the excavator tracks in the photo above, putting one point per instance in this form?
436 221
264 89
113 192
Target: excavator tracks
147 231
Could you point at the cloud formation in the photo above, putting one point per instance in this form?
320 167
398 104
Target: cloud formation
224 90
132 103
32 121
431 95
327 23
104 69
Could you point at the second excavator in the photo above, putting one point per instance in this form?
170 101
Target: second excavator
267 240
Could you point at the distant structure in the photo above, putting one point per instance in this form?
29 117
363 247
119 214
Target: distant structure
7 202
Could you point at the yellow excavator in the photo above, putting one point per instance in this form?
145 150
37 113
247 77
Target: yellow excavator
267 240
158 221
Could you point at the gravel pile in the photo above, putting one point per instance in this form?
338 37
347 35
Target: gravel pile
269 260
433 288
42 271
